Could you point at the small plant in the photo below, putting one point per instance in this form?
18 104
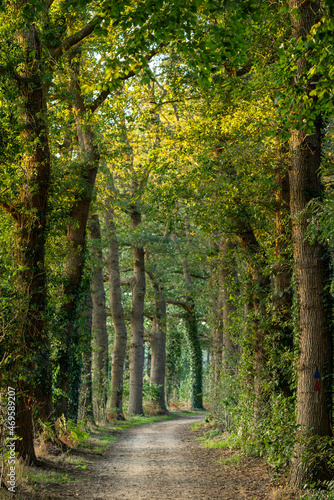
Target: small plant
151 392
46 431
151 409
71 433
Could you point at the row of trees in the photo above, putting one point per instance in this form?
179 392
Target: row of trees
177 152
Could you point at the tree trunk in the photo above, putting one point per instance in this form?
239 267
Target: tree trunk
196 361
32 338
312 272
69 356
119 349
86 390
173 354
158 342
99 324
137 324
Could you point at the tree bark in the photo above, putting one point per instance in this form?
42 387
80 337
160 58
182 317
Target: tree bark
119 349
137 323
158 342
99 322
86 390
311 261
30 215
196 361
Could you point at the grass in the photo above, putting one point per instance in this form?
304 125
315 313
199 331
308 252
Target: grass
214 437
74 460
213 443
233 460
36 477
196 426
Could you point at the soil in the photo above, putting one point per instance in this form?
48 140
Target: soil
162 461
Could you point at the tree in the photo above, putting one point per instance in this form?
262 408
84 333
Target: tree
117 313
311 260
157 337
99 325
27 76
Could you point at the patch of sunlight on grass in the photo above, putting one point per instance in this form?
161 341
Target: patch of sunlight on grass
234 460
74 460
214 443
133 420
37 477
196 426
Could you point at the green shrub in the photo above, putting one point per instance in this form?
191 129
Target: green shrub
74 432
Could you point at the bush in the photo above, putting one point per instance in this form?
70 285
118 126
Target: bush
71 433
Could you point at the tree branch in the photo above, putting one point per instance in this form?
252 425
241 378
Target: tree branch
105 93
10 209
193 275
74 39
14 75
181 316
127 281
179 303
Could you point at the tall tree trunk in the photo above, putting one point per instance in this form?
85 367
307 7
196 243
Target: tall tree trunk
99 323
158 342
311 268
32 338
86 390
116 308
69 357
173 353
196 361
137 323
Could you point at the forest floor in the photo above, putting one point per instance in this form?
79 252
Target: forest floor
164 460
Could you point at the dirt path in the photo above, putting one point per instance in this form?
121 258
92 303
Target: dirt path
163 461
152 463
